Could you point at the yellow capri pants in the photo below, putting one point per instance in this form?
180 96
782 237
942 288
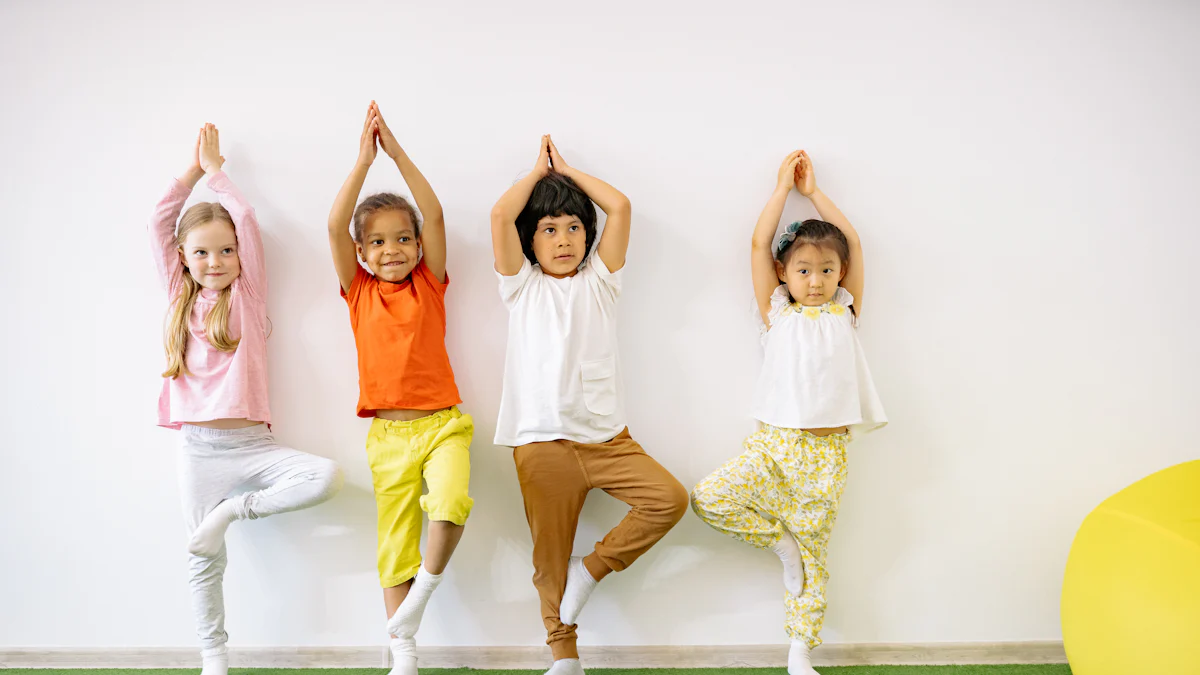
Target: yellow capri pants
434 448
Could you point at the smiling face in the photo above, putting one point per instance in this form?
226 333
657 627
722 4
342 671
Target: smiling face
812 274
389 245
209 252
559 244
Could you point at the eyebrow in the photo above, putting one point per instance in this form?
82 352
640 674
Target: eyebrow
824 262
378 235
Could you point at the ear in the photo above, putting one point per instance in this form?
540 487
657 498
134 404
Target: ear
845 268
182 258
359 251
779 272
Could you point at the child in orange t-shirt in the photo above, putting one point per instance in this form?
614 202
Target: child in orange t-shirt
398 314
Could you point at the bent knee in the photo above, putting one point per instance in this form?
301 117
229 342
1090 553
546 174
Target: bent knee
451 504
675 500
331 478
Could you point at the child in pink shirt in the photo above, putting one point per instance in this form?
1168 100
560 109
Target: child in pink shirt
215 385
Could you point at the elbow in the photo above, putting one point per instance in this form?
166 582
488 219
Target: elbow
339 227
499 217
622 207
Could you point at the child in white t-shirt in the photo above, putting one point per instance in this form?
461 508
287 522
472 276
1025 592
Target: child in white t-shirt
562 409
782 493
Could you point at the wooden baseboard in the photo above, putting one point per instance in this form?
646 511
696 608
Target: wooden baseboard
690 656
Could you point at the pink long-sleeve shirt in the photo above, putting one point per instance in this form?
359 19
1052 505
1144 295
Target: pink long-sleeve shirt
221 385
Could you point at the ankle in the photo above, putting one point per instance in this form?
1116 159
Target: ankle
596 567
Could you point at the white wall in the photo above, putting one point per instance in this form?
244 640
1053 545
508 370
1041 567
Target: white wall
1023 177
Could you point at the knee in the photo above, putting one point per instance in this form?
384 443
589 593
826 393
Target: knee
675 501
449 503
701 498
330 478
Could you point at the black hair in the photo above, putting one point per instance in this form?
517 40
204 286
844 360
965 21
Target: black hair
816 232
556 195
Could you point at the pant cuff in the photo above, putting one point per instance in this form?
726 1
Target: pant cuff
564 649
458 518
597 566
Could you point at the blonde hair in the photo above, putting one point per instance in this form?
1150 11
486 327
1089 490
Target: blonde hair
216 325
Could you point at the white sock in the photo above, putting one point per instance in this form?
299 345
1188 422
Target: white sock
217 664
407 619
798 660
566 667
580 584
793 565
404 656
207 539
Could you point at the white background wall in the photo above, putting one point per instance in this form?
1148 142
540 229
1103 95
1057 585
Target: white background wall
1023 176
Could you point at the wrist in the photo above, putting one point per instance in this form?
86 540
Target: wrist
782 190
191 176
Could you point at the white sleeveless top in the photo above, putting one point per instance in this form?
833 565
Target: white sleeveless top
814 374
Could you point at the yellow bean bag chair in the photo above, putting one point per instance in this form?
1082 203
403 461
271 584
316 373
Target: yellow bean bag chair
1131 596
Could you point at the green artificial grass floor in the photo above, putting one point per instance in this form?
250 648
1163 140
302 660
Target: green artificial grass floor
847 670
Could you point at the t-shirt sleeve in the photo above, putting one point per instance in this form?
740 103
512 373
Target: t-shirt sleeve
511 286
607 282
361 279
428 280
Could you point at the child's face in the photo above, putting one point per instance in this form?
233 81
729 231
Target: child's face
209 252
389 246
812 274
559 245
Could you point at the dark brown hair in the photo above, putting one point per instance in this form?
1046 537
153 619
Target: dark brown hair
383 201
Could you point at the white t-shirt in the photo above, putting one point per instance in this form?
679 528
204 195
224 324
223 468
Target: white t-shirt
562 375
814 374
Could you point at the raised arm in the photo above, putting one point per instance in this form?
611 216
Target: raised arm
614 243
341 243
762 258
506 244
166 215
433 230
253 276
806 183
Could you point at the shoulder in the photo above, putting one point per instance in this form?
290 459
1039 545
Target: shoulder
843 297
423 277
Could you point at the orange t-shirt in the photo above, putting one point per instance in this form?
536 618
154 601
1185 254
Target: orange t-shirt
400 331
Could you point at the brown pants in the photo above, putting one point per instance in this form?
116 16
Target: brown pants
556 477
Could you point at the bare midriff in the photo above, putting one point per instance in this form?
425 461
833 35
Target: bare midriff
826 431
405 415
232 423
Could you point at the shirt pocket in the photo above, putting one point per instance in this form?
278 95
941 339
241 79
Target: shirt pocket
600 385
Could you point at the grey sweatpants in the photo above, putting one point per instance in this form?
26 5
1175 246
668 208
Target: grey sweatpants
214 463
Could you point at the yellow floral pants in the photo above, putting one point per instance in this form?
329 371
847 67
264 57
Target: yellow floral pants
786 478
